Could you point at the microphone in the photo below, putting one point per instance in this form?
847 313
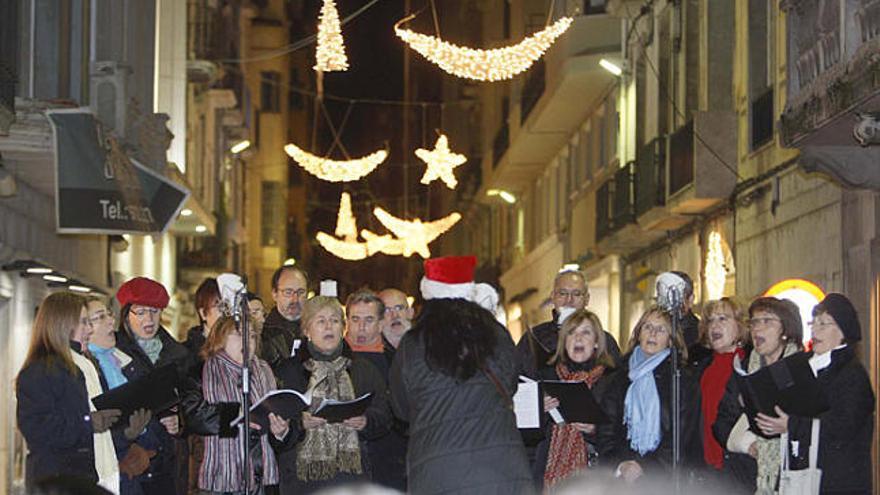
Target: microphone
670 292
232 287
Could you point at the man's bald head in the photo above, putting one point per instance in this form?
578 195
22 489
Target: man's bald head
398 315
570 290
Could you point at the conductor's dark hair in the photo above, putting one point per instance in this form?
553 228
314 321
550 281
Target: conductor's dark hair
288 268
459 336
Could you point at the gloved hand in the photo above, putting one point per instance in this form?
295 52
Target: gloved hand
136 461
136 423
103 420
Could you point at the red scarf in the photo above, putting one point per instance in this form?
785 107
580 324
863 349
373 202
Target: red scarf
568 449
712 385
377 347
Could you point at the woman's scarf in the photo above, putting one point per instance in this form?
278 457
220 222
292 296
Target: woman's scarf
151 347
110 365
568 449
106 464
769 458
712 385
220 470
331 448
641 408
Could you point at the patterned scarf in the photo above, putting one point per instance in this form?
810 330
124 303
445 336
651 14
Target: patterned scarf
769 459
641 407
221 467
106 464
151 347
331 448
568 449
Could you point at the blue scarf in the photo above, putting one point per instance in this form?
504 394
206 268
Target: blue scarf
641 411
151 347
109 365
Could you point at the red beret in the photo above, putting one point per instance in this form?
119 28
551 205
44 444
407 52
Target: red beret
143 291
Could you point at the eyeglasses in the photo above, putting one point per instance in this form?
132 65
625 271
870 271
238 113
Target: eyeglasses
574 294
761 321
722 318
397 308
101 318
141 312
85 321
820 324
655 329
300 293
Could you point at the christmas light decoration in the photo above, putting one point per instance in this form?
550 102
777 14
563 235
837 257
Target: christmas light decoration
330 53
716 273
441 161
333 170
386 244
348 248
415 234
483 65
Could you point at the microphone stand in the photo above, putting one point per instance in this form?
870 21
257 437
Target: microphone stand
242 324
675 301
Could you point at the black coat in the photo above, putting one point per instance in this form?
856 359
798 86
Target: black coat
463 436
277 339
612 442
365 378
53 415
846 430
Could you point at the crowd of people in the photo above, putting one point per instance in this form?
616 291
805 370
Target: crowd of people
441 378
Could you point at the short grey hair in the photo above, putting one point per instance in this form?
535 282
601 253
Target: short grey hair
365 296
576 273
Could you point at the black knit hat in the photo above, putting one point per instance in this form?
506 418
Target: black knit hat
844 314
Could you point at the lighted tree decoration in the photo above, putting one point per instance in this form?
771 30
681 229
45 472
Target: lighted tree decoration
415 234
441 162
496 64
716 273
330 53
336 170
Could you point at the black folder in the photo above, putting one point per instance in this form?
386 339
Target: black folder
337 411
576 401
156 391
288 404
788 383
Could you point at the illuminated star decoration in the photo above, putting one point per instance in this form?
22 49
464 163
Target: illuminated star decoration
336 170
496 64
330 53
440 163
415 234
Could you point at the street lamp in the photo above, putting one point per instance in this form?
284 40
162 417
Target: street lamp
611 67
240 146
501 193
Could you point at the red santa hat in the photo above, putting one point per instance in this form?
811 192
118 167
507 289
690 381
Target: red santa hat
452 277
143 291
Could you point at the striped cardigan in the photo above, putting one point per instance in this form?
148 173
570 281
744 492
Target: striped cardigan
221 467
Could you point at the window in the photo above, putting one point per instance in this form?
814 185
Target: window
270 93
272 214
761 63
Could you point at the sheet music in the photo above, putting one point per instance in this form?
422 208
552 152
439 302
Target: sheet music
526 404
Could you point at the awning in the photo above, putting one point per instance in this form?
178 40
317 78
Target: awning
852 166
102 190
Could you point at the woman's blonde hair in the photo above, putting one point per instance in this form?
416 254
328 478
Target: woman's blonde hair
717 306
677 339
57 318
315 305
576 319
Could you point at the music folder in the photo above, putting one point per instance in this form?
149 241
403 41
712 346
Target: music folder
336 411
576 401
285 403
156 391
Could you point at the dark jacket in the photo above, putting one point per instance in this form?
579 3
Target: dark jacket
614 447
690 329
195 339
463 436
846 430
365 378
740 469
277 339
53 415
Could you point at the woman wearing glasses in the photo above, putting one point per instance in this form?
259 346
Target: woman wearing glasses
753 461
637 400
64 434
144 446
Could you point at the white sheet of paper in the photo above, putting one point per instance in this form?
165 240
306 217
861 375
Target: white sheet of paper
526 405
295 347
557 416
328 288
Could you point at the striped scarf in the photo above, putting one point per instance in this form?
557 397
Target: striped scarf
221 467
106 464
568 449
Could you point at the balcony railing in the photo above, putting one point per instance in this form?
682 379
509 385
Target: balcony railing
650 176
202 37
622 202
681 158
603 210
500 143
533 88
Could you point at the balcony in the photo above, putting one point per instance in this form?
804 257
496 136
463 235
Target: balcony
702 163
616 227
570 73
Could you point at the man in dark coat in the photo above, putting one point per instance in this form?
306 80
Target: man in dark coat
281 330
365 312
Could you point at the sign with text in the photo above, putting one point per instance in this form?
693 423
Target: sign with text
100 189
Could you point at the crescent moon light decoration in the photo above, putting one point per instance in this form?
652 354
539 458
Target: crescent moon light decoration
333 170
496 64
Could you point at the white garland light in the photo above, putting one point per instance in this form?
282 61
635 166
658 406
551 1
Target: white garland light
415 234
441 162
336 170
348 248
716 273
330 53
496 64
